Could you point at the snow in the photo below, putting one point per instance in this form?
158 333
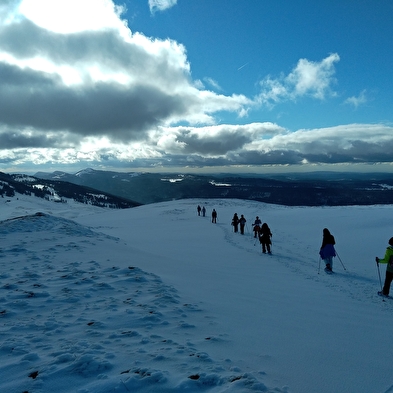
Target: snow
158 299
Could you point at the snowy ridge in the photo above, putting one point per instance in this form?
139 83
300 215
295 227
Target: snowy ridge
59 303
94 300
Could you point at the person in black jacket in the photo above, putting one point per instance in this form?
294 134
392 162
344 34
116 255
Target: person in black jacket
242 222
327 251
235 222
214 216
265 238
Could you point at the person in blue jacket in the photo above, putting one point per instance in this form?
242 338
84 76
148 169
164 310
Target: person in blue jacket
327 251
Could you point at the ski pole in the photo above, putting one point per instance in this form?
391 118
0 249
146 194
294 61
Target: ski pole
319 265
379 274
338 256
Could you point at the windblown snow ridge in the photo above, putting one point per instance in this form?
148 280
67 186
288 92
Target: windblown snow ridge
77 317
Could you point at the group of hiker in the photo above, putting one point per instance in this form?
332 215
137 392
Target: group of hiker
327 251
201 210
261 231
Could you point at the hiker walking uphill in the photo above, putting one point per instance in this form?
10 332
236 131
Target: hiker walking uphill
265 238
327 251
242 222
235 222
388 259
257 226
214 216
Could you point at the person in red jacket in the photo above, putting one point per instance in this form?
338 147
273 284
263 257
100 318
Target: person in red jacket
388 259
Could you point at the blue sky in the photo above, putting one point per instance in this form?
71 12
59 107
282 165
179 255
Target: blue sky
196 85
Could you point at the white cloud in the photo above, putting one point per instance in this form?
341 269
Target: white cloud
212 141
215 85
161 5
67 17
357 101
308 78
92 76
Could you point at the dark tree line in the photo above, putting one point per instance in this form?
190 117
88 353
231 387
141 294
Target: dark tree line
59 191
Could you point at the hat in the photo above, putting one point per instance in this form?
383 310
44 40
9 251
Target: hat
391 241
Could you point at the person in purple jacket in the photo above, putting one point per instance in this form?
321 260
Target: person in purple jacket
327 251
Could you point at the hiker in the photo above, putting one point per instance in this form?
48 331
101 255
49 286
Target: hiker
327 251
203 211
388 259
199 210
257 226
265 238
214 216
235 222
242 222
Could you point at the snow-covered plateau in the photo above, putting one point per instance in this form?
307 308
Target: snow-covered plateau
158 299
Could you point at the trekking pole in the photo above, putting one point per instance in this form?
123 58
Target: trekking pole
319 265
338 256
379 275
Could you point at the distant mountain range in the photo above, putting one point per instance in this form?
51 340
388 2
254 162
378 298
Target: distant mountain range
60 191
308 189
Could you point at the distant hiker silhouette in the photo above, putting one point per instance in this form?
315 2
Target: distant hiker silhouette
214 216
235 223
203 211
265 238
242 222
257 226
327 251
199 210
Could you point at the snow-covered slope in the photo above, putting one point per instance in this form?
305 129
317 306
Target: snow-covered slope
156 298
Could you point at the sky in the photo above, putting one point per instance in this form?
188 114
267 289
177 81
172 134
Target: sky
196 85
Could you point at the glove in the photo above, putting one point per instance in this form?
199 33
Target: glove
377 260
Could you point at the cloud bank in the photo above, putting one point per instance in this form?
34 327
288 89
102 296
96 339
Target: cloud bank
92 92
